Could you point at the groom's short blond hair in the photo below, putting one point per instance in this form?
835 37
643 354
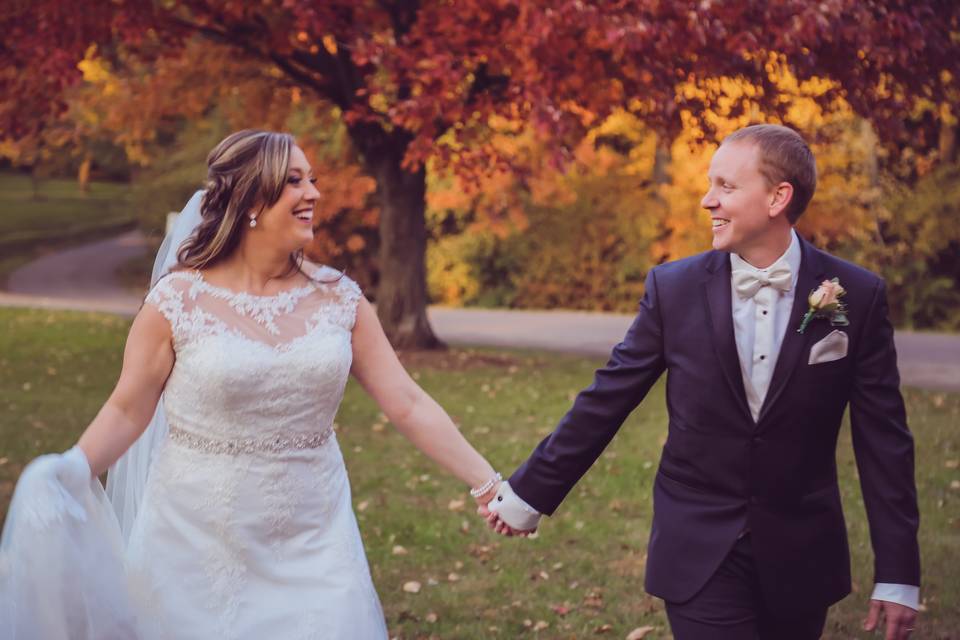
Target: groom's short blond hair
784 157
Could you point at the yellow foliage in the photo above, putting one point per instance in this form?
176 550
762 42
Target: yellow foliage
330 44
97 71
598 224
449 277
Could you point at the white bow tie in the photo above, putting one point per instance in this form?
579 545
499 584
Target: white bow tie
748 282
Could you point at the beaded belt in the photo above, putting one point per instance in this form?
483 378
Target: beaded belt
249 445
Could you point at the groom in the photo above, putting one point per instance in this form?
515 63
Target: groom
748 537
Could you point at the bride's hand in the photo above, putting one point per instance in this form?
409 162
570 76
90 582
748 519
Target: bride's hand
73 470
493 519
483 500
501 527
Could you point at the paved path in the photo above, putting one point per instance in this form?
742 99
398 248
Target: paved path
83 278
927 360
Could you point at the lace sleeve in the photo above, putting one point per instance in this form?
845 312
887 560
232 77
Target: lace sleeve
167 298
350 295
344 292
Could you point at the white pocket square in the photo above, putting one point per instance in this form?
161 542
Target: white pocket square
832 347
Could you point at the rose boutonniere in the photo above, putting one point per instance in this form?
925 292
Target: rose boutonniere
825 303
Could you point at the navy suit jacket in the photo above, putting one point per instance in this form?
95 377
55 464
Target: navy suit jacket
721 472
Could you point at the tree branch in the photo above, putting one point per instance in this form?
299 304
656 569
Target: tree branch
402 15
242 38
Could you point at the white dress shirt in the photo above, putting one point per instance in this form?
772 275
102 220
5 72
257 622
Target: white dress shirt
760 322
759 325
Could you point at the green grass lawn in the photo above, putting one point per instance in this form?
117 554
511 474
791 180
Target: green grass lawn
59 215
581 576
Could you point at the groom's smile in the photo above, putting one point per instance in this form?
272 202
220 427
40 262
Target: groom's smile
742 203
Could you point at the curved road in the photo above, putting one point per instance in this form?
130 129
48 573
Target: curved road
83 279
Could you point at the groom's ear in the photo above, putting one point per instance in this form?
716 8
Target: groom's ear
780 197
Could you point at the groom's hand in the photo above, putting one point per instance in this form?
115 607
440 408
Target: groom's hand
493 520
498 525
501 527
901 620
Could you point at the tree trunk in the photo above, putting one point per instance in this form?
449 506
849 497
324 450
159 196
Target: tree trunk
948 141
662 158
872 168
402 290
83 173
35 184
872 160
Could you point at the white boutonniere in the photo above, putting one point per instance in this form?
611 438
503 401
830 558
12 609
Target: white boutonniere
825 303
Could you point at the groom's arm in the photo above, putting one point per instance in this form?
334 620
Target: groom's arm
884 451
562 458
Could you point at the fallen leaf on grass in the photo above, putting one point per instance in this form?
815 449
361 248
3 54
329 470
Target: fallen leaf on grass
594 600
412 587
640 633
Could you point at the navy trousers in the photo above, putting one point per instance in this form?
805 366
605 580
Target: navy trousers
730 607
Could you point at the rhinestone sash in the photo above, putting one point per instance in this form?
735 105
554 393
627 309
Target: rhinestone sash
249 445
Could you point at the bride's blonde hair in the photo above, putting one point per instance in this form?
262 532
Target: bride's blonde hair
246 173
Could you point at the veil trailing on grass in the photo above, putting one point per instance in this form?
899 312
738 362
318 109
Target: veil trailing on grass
128 476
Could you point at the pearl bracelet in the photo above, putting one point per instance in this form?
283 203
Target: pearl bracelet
486 486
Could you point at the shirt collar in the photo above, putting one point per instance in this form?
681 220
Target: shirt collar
791 257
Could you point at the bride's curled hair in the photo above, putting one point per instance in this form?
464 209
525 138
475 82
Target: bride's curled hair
246 173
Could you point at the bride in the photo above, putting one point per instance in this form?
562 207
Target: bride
231 514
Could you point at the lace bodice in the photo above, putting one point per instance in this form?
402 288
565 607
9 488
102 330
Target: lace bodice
257 368
245 527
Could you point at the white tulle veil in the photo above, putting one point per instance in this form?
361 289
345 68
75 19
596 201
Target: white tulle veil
62 567
128 476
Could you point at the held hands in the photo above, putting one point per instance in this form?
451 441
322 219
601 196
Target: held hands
901 620
493 519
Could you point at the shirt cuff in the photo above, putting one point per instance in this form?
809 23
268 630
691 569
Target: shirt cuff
906 594
513 510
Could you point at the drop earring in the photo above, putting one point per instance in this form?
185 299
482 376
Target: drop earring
253 222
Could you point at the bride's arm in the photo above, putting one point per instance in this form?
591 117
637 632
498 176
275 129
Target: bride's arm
415 414
147 361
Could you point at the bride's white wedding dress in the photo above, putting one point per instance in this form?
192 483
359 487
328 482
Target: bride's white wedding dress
246 528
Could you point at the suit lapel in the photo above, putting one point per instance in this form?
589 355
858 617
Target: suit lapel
793 346
719 301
